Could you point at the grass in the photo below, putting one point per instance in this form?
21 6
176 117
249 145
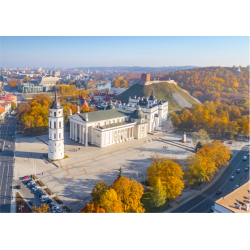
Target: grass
67 209
148 206
46 156
49 191
162 91
40 183
22 206
57 200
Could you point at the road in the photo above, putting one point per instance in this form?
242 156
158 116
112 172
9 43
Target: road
201 203
6 162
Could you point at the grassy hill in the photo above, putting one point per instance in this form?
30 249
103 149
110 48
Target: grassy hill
162 91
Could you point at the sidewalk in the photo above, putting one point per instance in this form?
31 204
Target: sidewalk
189 195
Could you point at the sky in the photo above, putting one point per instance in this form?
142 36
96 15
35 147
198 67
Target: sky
110 51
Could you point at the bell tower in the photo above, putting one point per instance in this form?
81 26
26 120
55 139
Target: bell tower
56 131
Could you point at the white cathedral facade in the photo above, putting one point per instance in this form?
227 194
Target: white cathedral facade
56 131
119 123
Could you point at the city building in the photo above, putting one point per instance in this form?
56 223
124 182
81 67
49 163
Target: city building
49 81
31 88
56 131
119 123
8 98
2 114
6 106
235 202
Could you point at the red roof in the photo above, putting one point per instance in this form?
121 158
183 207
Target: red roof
8 97
4 104
1 110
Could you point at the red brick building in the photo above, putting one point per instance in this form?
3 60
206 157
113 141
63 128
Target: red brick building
145 78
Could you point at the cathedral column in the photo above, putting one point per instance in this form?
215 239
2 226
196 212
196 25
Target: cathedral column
83 132
80 133
75 131
86 134
70 130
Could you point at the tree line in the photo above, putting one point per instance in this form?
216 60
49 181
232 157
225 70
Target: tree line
215 117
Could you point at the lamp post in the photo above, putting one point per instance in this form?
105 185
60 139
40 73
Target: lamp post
21 207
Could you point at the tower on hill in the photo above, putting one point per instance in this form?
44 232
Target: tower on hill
145 78
56 131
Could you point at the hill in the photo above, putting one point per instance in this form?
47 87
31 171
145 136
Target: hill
162 91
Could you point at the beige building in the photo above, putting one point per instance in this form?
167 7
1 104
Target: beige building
235 202
49 81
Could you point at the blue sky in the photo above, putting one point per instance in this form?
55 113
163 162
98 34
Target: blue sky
123 51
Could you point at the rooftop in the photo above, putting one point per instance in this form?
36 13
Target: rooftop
115 125
238 196
105 114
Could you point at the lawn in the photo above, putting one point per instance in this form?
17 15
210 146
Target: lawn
147 204
21 205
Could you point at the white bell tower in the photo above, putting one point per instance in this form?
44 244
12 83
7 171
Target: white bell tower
56 131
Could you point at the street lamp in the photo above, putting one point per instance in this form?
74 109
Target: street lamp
21 207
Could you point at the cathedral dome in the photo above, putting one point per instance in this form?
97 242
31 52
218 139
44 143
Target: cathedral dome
137 114
152 97
56 104
110 106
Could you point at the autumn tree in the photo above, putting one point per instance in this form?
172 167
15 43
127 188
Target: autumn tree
170 174
111 202
158 195
92 208
175 120
233 128
129 192
26 79
100 188
43 209
220 153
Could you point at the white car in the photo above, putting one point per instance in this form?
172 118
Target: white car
232 177
236 186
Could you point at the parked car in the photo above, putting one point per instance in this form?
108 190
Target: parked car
25 177
31 203
238 170
48 201
232 177
18 186
246 168
244 157
219 192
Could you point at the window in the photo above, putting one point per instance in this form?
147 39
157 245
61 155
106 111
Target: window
55 136
54 113
50 124
60 124
54 124
59 136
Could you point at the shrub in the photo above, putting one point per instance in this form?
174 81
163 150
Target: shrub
57 200
49 191
40 183
67 209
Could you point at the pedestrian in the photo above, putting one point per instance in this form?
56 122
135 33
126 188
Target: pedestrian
42 173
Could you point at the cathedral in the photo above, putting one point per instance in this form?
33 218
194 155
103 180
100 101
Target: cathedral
119 123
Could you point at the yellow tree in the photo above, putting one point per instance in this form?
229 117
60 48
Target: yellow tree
233 128
175 120
43 209
129 192
170 174
245 128
92 208
100 188
110 202
200 167
220 153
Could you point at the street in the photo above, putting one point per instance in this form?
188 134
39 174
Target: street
201 203
7 162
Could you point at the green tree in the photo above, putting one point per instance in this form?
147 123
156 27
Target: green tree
120 173
13 106
201 137
158 195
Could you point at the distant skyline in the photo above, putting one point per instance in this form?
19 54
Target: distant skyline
94 51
